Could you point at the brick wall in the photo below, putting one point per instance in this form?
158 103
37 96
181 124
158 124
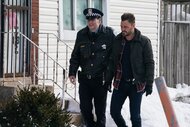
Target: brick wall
35 20
35 31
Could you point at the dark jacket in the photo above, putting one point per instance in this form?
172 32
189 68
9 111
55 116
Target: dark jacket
142 62
91 51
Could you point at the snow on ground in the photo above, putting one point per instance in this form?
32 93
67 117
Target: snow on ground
152 112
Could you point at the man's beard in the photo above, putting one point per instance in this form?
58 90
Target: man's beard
125 34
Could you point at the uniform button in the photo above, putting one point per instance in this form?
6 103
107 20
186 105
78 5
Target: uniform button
92 65
93 54
93 43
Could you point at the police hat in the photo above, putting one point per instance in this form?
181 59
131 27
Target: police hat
92 13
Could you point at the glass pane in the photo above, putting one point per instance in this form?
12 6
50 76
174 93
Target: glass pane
67 15
81 20
97 4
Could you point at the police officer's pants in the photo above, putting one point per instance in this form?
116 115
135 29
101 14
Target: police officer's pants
90 89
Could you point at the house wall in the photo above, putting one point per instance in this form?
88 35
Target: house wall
49 23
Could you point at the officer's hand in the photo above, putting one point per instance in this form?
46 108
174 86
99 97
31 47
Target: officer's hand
148 89
72 79
107 85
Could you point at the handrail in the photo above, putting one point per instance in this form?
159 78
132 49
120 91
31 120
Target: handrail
36 46
68 48
36 49
44 74
57 38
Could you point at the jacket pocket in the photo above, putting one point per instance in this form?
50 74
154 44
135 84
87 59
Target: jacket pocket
102 50
85 50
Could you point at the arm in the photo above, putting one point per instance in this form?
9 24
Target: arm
149 63
75 59
111 63
149 67
108 72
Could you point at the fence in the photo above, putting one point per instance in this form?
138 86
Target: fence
175 43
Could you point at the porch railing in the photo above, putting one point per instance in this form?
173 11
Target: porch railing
61 52
39 67
47 67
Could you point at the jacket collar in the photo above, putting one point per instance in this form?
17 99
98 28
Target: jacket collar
137 35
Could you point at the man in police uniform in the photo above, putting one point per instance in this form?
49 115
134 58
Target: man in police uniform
91 52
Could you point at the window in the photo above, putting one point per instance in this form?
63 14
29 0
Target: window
81 21
68 19
73 18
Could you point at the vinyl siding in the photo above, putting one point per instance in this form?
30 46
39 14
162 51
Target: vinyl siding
48 23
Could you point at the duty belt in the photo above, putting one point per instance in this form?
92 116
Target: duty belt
130 80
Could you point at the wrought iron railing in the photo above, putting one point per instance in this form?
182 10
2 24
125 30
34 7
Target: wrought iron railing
46 68
40 74
61 53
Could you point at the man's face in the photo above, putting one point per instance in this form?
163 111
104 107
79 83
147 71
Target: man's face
93 24
127 28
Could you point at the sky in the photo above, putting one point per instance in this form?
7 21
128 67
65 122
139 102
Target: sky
152 112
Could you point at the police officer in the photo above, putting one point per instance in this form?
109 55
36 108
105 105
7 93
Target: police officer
91 52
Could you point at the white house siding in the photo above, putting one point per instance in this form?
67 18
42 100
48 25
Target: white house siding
147 20
49 23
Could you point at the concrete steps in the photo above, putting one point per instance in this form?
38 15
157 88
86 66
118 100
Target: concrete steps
9 87
73 107
15 81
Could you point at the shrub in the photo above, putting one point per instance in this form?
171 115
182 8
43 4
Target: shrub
34 108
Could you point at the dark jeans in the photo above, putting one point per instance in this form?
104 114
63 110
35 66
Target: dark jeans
93 89
118 98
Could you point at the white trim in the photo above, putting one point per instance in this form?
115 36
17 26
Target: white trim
69 34
75 14
90 3
159 24
60 19
105 10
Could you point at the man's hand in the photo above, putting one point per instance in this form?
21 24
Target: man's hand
107 85
148 90
72 79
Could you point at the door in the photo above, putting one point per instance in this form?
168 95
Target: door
1 38
17 21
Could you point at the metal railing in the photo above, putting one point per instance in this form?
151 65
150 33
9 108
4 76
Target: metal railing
62 49
39 71
61 53
46 66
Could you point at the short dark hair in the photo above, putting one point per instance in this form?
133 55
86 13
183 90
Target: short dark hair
129 17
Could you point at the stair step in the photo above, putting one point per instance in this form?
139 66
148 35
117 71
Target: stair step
8 91
15 81
76 119
73 107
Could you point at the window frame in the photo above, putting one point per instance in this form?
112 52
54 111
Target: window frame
71 34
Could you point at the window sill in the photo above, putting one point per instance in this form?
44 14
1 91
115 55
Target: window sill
69 35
